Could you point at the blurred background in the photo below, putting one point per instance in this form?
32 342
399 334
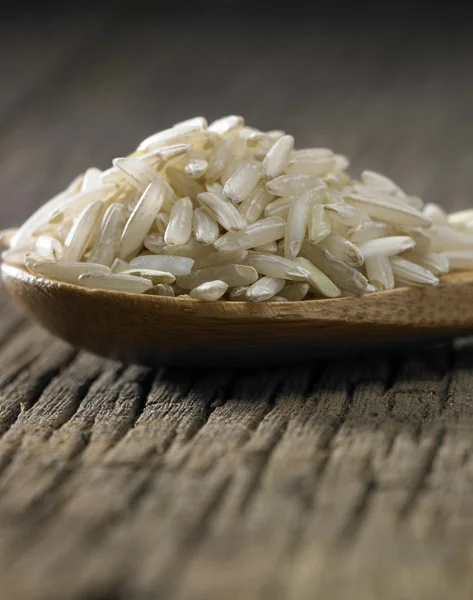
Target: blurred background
389 86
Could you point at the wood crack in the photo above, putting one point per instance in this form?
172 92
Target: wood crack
417 484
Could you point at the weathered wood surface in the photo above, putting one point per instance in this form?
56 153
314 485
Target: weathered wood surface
336 479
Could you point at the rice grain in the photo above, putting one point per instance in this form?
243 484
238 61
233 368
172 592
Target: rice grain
232 275
343 249
379 272
179 228
118 283
108 243
177 265
261 232
264 289
68 272
277 157
209 291
295 291
388 246
318 280
205 227
277 266
81 232
223 211
320 224
408 272
243 181
289 185
141 219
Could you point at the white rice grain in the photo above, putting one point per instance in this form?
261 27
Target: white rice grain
385 210
341 162
381 183
220 160
433 261
435 213
444 238
297 221
69 272
275 134
162 221
92 179
18 256
162 289
119 265
168 153
343 249
49 247
310 166
232 275
279 207
184 185
137 172
192 249
238 294
214 259
379 272
277 266
318 280
460 218
311 153
156 277
225 125
320 224
264 289
81 232
253 207
277 157
209 291
420 236
346 277
459 260
193 122
108 243
119 283
387 246
223 211
234 204
288 185
261 232
154 242
369 231
407 272
243 181
346 214
295 291
179 228
179 134
141 219
271 248
177 265
196 168
205 227
6 236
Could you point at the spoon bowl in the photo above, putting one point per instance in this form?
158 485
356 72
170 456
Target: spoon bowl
157 330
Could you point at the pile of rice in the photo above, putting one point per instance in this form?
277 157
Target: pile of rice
225 211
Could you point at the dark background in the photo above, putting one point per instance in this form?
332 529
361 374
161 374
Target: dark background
390 85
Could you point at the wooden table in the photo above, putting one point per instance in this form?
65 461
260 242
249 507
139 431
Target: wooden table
339 479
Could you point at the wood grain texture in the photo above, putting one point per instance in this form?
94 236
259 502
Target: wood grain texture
332 479
155 331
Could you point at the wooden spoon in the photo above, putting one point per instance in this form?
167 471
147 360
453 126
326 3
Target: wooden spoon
155 330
